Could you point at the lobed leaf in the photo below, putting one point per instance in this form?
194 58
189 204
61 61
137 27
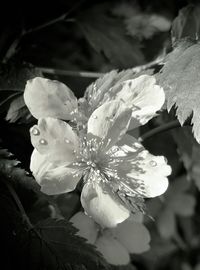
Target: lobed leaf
180 79
107 36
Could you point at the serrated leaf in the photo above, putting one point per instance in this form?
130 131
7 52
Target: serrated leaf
52 244
187 23
180 79
19 177
61 237
107 35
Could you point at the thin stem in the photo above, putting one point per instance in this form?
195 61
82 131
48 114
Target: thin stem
13 47
160 129
89 74
19 204
72 73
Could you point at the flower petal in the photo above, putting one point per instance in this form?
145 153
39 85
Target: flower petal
47 98
143 96
55 138
110 121
102 207
86 226
112 250
151 172
53 179
133 236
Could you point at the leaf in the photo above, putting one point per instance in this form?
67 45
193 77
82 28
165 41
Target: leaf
60 237
178 198
14 75
180 79
183 205
51 244
189 151
18 110
166 223
107 35
187 23
19 177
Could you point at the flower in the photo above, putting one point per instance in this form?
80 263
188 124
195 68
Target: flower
50 98
117 171
115 244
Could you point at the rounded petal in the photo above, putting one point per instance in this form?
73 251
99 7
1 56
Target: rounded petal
86 226
133 236
47 98
53 179
110 121
55 138
151 173
112 250
143 96
102 207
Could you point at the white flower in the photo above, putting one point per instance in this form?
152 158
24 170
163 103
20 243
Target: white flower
117 171
47 98
115 244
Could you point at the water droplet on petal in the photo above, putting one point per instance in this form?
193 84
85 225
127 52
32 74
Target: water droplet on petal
35 131
94 116
153 163
43 141
67 141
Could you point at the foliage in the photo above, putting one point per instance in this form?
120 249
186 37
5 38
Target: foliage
75 42
179 79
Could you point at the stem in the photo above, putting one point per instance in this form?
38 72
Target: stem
86 74
19 204
13 47
160 129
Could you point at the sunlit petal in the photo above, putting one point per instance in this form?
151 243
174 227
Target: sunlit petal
55 138
110 121
143 96
47 98
103 207
53 179
151 171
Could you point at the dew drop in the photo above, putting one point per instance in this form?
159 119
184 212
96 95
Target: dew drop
35 131
67 141
43 141
153 163
94 116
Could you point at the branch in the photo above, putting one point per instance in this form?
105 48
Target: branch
160 129
13 47
87 74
